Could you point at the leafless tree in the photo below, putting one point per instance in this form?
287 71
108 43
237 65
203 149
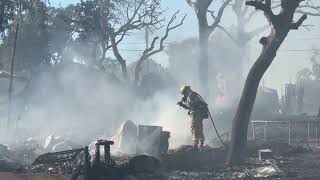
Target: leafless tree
244 16
201 8
280 24
108 22
150 51
145 13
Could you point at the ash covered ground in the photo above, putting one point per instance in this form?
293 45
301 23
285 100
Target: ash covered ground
299 161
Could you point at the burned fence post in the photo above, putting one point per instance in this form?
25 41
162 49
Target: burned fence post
96 160
107 155
265 131
253 131
289 132
227 138
317 134
308 130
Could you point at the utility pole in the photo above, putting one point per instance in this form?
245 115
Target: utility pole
12 66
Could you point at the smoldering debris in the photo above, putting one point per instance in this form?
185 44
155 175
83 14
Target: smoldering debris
19 154
174 165
6 161
79 162
182 163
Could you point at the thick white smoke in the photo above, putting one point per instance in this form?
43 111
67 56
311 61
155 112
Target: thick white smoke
82 104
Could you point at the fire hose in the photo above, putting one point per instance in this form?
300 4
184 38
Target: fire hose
214 126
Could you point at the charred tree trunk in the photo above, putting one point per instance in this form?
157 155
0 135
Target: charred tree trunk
201 8
243 113
280 26
204 35
204 60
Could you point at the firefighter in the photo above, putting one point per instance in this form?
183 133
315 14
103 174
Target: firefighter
193 102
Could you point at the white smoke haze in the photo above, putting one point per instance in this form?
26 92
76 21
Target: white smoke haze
82 104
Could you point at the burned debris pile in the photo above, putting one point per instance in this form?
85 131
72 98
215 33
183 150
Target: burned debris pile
18 155
183 163
63 162
141 153
6 161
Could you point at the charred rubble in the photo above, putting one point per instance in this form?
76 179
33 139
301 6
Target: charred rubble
152 159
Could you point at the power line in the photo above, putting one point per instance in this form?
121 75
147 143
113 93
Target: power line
299 50
308 38
140 43
282 50
134 50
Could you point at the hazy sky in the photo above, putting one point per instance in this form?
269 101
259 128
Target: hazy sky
284 67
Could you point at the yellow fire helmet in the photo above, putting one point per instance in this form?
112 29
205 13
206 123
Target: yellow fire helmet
184 88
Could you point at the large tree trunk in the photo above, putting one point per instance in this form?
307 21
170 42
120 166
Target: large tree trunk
204 61
280 25
202 9
243 113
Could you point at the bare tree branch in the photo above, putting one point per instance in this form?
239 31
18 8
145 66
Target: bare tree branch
265 7
137 19
219 15
297 24
148 52
299 11
150 17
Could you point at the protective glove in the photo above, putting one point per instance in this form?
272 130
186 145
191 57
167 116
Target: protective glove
180 104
